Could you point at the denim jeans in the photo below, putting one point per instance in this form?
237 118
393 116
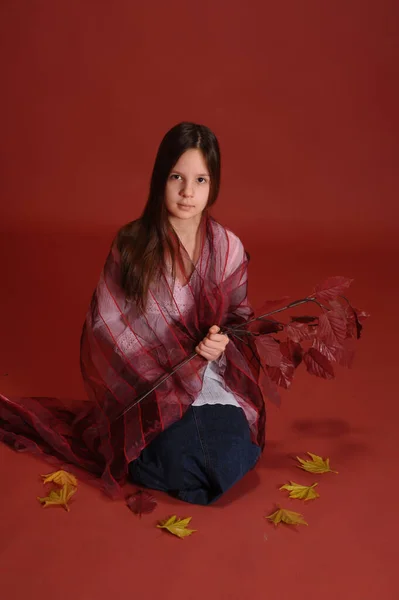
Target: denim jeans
200 457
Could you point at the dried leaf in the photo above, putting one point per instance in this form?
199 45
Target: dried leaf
300 492
316 465
331 288
317 364
177 526
60 496
141 503
269 351
286 516
61 478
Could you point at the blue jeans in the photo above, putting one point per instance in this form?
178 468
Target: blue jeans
200 457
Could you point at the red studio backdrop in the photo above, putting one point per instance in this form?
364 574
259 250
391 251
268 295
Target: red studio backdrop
303 98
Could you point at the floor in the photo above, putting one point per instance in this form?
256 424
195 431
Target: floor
101 550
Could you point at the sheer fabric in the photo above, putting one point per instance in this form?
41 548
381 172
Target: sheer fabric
125 352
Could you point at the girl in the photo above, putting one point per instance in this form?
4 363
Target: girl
172 279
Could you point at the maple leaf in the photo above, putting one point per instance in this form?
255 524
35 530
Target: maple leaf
331 288
141 503
60 496
316 465
177 526
60 478
300 492
286 516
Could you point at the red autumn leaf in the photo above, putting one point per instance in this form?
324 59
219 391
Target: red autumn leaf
332 328
362 315
355 318
304 319
291 358
317 364
269 388
346 354
298 332
292 351
282 375
141 503
331 288
325 350
339 308
343 355
269 351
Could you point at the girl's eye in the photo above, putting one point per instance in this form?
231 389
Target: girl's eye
203 179
174 176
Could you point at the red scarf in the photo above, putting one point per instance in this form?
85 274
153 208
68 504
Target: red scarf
124 353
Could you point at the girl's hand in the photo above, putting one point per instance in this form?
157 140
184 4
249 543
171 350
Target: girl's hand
213 345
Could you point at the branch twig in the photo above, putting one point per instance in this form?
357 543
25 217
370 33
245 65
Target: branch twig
235 330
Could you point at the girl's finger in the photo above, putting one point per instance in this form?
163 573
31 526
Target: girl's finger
208 345
218 337
208 355
214 329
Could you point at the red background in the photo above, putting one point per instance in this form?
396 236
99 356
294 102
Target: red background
303 98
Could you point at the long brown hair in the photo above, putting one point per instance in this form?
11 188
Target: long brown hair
144 242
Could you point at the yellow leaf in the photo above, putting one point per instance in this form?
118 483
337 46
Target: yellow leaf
61 496
286 516
301 492
177 526
61 478
316 465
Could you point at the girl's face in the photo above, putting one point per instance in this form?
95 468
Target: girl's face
187 187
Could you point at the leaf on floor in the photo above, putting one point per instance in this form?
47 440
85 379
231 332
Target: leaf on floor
141 503
60 478
177 526
60 496
289 517
316 465
300 492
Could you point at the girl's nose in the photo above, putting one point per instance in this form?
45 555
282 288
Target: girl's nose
187 191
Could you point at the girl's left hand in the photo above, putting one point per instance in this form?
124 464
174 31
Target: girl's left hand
213 345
